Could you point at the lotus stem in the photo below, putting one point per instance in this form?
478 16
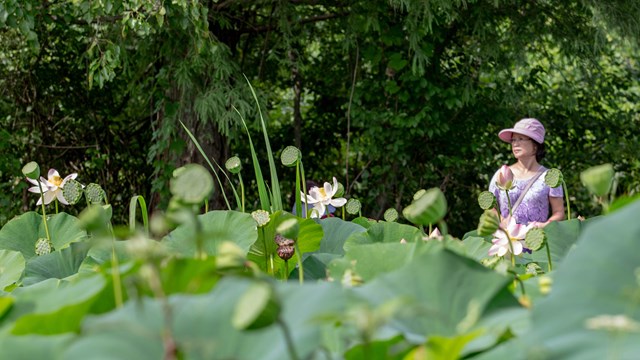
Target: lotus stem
509 202
546 244
44 212
300 268
288 339
566 194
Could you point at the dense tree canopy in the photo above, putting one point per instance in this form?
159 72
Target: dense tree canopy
388 96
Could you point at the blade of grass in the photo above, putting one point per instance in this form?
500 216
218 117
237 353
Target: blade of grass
262 190
195 141
275 184
137 199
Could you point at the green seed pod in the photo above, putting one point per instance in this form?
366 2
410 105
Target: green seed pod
72 191
486 200
535 239
31 170
428 209
553 178
489 223
598 179
534 269
290 156
339 191
261 217
94 193
289 228
257 308
43 247
233 164
418 194
192 184
353 206
391 215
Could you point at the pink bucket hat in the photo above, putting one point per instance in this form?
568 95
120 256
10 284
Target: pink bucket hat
528 127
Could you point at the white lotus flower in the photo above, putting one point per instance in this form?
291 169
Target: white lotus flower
321 197
51 187
515 234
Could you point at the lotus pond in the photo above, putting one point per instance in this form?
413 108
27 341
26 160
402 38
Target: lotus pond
190 283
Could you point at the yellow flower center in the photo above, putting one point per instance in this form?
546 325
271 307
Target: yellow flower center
322 192
55 180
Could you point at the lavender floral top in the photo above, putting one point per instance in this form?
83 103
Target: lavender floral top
534 206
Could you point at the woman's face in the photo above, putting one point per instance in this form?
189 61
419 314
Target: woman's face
523 146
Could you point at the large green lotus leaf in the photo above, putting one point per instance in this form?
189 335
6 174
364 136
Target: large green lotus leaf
101 252
53 306
473 247
191 276
202 325
26 347
336 232
11 266
217 226
22 232
592 311
308 241
385 232
315 266
561 237
443 291
57 264
6 302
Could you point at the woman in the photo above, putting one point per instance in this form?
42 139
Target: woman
527 145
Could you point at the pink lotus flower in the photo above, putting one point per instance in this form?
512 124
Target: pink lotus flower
515 234
505 178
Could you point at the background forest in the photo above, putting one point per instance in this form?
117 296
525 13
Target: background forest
388 96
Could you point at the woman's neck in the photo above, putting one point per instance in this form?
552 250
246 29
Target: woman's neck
525 168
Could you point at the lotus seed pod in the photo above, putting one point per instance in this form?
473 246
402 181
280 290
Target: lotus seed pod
428 209
598 179
290 156
489 223
261 217
553 178
257 308
286 252
486 200
192 185
418 194
43 246
534 269
535 238
339 191
391 215
289 228
233 164
353 206
94 193
31 170
72 191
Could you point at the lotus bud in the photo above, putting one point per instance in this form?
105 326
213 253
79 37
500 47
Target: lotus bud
553 178
545 283
43 247
505 178
31 170
428 209
233 164
598 179
489 223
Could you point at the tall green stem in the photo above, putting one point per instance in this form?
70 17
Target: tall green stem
300 268
546 244
566 194
509 202
44 212
241 191
288 339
